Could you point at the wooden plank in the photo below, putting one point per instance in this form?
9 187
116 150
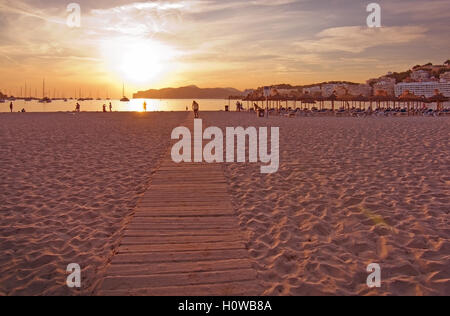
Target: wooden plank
182 256
181 247
240 288
143 219
136 282
149 213
177 267
185 233
151 240
176 227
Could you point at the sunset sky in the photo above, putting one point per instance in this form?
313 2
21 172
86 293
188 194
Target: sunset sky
213 43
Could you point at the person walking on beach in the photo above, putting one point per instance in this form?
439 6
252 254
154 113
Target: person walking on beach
77 108
104 108
195 108
145 106
110 107
11 106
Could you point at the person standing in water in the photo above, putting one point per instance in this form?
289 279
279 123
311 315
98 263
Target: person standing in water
11 106
145 106
196 109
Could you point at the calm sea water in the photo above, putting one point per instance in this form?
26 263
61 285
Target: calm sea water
135 105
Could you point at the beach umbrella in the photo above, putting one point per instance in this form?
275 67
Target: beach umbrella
307 99
321 100
346 98
408 97
332 98
380 99
439 99
360 98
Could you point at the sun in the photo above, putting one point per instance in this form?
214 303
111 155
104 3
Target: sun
137 60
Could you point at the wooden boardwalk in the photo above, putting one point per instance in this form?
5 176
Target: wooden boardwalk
184 239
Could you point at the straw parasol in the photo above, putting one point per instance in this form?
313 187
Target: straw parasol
361 99
438 98
409 98
332 98
346 98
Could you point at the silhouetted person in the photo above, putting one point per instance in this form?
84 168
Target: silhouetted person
77 108
104 108
110 107
145 106
11 106
196 109
23 110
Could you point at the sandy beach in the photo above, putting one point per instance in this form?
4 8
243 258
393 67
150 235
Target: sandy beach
68 185
349 192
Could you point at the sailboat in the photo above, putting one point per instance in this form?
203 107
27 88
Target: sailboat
26 98
124 99
44 98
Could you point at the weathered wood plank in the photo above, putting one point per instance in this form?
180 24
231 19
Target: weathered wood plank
240 288
117 283
182 256
177 267
180 247
151 240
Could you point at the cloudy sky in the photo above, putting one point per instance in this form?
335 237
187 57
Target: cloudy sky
238 43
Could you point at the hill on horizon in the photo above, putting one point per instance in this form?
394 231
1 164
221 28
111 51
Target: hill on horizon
188 92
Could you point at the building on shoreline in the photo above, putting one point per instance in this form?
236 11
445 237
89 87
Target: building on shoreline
420 75
445 77
426 89
383 86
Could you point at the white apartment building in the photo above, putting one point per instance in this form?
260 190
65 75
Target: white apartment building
342 88
312 90
445 76
286 92
420 75
360 89
423 88
329 88
384 84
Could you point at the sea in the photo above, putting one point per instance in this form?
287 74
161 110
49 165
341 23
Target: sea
135 105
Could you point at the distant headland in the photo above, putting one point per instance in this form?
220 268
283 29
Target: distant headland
189 92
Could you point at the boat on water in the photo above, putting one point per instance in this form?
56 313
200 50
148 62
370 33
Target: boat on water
45 100
124 98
